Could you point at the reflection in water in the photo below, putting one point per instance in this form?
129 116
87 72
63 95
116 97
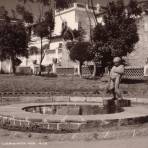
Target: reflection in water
75 109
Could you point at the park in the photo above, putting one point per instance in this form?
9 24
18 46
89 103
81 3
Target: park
74 73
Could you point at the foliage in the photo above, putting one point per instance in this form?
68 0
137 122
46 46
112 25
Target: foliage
13 42
17 62
69 34
79 34
66 32
61 4
80 52
43 25
41 30
4 13
26 15
33 50
118 35
133 8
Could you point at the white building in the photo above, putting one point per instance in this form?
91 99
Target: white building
75 16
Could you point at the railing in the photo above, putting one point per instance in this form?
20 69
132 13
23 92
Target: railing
134 73
131 72
87 70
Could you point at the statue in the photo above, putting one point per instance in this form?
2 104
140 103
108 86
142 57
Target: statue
115 77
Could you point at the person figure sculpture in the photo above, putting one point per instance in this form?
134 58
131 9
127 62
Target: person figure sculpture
115 77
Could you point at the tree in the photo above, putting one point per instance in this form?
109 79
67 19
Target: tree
33 50
26 15
42 25
80 52
73 35
61 4
13 42
77 35
133 8
118 35
4 13
42 31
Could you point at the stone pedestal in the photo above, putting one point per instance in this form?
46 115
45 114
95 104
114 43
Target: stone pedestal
113 106
124 103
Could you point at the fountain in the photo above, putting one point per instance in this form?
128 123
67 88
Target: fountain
79 114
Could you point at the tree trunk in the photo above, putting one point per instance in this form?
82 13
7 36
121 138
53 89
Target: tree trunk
13 65
40 69
94 70
80 69
95 17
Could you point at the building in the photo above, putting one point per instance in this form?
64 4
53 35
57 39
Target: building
75 16
79 15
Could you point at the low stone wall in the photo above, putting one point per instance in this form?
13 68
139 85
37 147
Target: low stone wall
24 70
65 71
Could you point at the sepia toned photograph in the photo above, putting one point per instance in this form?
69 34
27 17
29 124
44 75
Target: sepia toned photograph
73 73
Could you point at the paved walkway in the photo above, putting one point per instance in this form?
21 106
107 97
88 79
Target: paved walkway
141 142
125 143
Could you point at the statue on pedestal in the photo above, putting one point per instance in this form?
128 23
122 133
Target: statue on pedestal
115 77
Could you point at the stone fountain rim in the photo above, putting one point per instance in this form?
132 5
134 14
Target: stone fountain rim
13 113
16 111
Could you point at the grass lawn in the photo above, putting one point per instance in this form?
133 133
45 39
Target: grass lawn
66 85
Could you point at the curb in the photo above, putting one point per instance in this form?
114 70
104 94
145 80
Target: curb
52 98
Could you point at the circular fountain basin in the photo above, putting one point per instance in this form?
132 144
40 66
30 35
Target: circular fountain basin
73 109
70 116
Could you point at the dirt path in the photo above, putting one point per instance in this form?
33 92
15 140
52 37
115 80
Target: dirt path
140 142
